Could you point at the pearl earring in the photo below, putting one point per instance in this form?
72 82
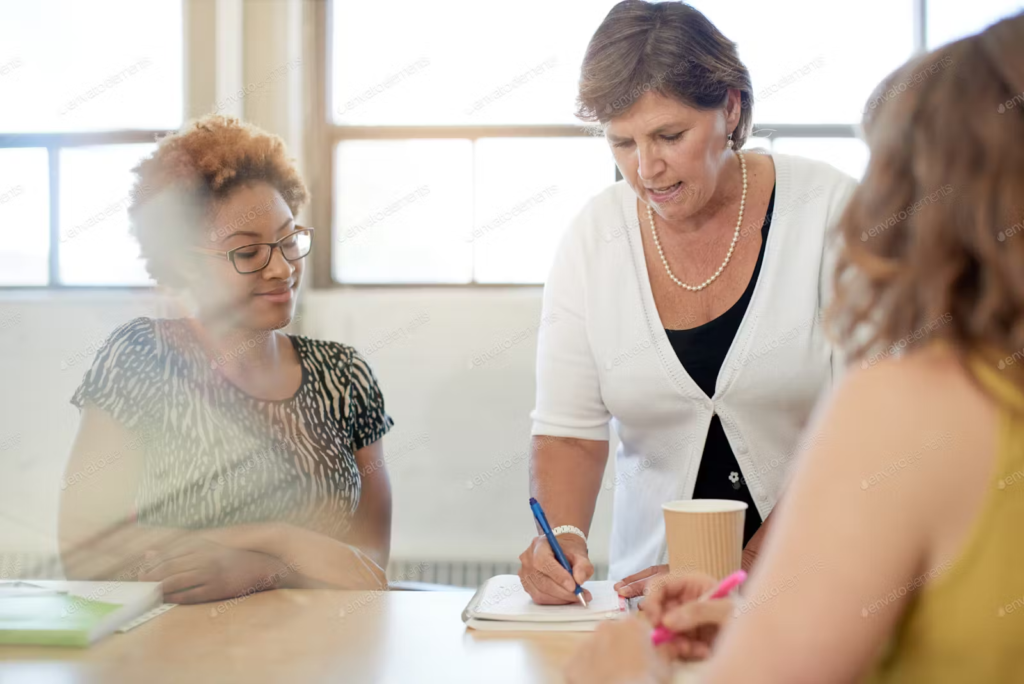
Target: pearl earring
729 143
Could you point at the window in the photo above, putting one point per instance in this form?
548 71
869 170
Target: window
489 210
814 62
95 191
83 97
459 62
454 154
949 20
24 202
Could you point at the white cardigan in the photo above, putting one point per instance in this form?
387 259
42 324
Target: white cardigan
603 356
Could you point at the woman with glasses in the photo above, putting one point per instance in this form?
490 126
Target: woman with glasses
217 454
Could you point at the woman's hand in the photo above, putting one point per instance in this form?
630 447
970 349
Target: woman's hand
198 570
321 560
619 652
673 603
545 580
638 584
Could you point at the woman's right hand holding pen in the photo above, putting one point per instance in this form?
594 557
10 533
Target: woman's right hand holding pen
545 580
673 603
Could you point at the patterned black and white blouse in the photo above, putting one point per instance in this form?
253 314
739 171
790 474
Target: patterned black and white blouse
215 456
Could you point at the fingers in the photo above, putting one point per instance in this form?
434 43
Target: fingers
545 590
576 553
667 590
643 574
582 568
688 646
181 582
551 582
163 568
557 574
544 578
632 590
541 597
698 614
200 594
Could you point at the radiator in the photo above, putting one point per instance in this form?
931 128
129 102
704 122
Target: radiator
29 566
460 573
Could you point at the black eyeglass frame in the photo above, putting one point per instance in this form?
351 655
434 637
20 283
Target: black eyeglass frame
230 254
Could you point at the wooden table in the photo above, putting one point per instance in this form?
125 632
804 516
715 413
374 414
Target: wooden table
305 636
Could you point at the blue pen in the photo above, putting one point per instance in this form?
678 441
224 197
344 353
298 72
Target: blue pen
538 514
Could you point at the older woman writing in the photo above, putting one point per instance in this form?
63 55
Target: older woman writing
895 558
687 302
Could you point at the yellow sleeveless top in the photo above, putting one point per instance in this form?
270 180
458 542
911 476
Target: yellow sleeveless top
967 626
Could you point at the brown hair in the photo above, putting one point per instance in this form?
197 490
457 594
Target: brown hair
934 236
668 47
177 186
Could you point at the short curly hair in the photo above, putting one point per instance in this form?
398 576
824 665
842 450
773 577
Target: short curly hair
191 169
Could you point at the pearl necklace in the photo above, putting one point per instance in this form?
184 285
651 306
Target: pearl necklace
735 237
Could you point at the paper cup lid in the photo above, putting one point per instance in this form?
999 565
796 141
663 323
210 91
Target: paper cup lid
704 506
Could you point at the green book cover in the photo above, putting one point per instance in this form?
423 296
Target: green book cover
51 620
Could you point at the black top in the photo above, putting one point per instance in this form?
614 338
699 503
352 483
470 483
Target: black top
702 351
213 455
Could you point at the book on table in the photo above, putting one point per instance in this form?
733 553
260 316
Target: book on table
56 613
502 604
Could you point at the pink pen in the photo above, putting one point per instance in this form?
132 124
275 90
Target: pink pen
662 634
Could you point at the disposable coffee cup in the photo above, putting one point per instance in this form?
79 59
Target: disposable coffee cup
704 535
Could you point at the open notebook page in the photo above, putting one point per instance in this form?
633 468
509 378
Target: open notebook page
502 597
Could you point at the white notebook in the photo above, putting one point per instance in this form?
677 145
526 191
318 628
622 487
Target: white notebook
501 603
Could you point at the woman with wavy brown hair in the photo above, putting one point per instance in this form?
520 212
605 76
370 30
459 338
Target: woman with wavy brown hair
895 555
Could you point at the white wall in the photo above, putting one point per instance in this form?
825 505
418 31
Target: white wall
457 423
460 388
47 341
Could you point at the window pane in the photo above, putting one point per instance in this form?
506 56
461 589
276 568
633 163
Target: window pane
813 61
95 246
849 155
527 193
403 211
512 63
24 215
76 66
950 20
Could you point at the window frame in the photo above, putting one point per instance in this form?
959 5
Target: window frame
326 135
53 143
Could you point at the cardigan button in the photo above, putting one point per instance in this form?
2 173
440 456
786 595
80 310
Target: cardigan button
741 449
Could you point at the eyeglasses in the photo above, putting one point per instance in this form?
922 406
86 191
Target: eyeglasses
256 257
